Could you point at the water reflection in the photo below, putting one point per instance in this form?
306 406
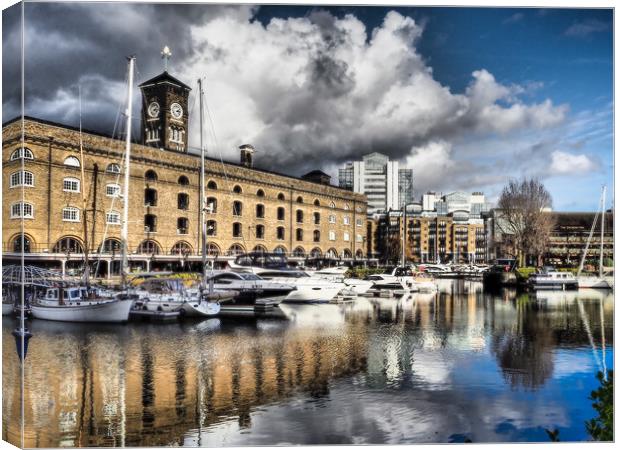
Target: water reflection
423 368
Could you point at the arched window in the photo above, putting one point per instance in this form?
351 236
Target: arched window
182 225
20 153
211 228
212 185
316 202
181 248
68 245
260 231
150 175
359 254
149 247
299 215
183 201
300 199
150 223
259 249
183 180
111 246
237 208
72 161
113 218
281 213
213 249
237 229
70 214
299 234
317 218
21 178
316 253
316 236
236 249
281 196
260 211
211 205
280 233
332 205
299 252
22 210
346 206
71 185
280 250
237 189
150 197
260 193
332 253
346 253
113 168
112 190
17 244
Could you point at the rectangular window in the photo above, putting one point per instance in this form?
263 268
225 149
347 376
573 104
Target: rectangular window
113 190
332 218
71 215
71 185
22 210
346 237
332 235
359 238
358 222
113 218
21 178
347 220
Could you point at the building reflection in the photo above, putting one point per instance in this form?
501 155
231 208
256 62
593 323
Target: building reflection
153 385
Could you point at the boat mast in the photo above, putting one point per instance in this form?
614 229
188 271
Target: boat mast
600 261
585 251
402 263
124 245
203 219
86 275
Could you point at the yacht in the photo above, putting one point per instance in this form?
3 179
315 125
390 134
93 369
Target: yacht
394 278
549 278
80 304
338 274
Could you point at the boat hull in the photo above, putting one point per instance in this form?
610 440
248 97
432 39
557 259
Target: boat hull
7 309
202 309
594 283
312 294
111 311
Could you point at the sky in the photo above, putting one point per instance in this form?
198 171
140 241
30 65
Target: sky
467 97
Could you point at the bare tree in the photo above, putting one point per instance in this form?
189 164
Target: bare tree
524 217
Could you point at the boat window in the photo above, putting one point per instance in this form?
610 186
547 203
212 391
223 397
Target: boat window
52 294
249 276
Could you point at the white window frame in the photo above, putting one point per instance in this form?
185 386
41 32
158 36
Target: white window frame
332 218
115 194
116 168
346 237
347 220
21 153
74 214
360 238
20 179
332 235
21 210
358 222
110 214
72 161
70 180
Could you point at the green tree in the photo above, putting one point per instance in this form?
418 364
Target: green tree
601 428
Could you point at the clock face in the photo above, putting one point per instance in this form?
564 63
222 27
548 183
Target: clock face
154 109
176 110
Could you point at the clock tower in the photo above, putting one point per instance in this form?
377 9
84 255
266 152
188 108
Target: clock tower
164 112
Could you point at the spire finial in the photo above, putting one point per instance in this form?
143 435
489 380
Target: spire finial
166 54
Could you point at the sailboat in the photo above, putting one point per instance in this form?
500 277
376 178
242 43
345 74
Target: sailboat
85 303
592 281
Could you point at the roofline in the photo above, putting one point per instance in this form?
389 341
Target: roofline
209 158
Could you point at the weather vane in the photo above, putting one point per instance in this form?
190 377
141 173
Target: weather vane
166 54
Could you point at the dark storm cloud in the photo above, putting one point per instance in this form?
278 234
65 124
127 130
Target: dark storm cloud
310 92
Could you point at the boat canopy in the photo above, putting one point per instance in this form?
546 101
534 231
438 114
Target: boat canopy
32 275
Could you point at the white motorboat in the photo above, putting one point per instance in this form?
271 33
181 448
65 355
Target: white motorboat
79 304
394 278
338 274
552 279
595 282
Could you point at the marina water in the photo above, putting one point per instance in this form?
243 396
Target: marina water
455 366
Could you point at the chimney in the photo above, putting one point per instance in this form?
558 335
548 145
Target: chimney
247 155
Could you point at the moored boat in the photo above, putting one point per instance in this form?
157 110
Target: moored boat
549 278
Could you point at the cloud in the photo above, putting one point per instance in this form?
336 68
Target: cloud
587 27
563 163
516 17
307 92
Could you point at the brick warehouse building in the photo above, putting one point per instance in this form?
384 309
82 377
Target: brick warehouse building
249 209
